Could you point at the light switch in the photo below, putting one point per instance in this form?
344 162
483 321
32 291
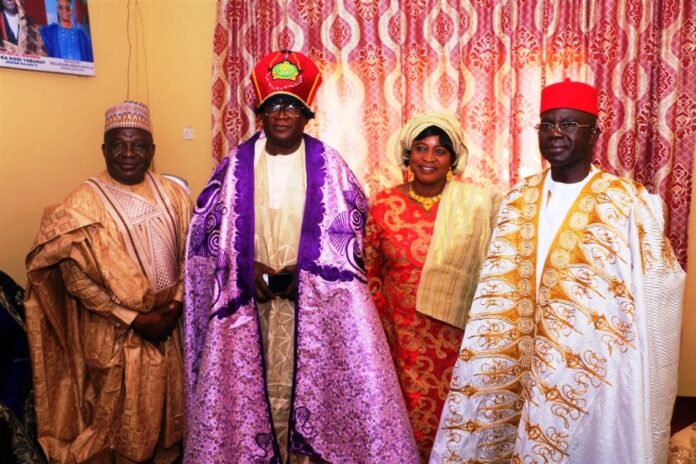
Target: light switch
188 133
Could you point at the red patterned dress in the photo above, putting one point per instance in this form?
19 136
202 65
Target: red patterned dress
424 349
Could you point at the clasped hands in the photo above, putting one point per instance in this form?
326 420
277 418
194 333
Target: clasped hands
159 323
263 293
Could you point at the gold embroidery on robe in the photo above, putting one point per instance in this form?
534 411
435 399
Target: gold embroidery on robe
536 368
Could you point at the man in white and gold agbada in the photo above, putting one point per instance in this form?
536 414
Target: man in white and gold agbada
570 353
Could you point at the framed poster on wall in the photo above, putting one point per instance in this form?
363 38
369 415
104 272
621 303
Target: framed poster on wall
46 35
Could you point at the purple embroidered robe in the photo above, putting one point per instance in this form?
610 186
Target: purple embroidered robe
346 405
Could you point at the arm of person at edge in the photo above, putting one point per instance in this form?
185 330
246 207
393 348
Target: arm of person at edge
155 325
263 293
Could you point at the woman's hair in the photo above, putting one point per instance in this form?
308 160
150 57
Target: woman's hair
445 141
285 98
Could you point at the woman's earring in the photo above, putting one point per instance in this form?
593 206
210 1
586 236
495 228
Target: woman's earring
408 174
450 175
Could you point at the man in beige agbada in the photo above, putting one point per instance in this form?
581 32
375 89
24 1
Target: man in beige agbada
103 306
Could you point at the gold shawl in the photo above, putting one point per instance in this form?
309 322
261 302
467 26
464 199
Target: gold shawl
456 251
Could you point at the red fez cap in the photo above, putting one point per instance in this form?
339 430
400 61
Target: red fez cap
569 94
286 72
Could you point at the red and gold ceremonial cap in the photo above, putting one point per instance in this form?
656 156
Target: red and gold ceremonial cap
287 73
569 94
127 114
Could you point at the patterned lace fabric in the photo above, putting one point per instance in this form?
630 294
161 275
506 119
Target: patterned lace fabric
424 349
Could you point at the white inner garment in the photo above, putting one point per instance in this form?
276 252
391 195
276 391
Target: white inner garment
558 198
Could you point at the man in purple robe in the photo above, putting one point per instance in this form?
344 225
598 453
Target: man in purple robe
285 356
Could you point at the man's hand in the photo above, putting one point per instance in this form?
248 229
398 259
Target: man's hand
158 324
290 292
263 293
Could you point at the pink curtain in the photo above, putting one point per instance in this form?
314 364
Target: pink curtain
485 61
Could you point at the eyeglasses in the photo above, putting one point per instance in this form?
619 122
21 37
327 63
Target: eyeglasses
566 127
140 148
65 7
290 110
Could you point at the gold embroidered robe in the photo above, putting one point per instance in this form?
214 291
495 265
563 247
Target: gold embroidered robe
584 370
101 391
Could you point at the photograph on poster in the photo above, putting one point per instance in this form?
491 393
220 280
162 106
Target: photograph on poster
46 35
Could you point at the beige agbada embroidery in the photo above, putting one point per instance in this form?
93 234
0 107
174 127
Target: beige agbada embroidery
279 201
147 227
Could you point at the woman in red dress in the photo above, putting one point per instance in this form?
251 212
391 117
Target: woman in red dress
424 243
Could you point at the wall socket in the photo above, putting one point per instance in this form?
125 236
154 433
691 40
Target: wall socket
188 133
